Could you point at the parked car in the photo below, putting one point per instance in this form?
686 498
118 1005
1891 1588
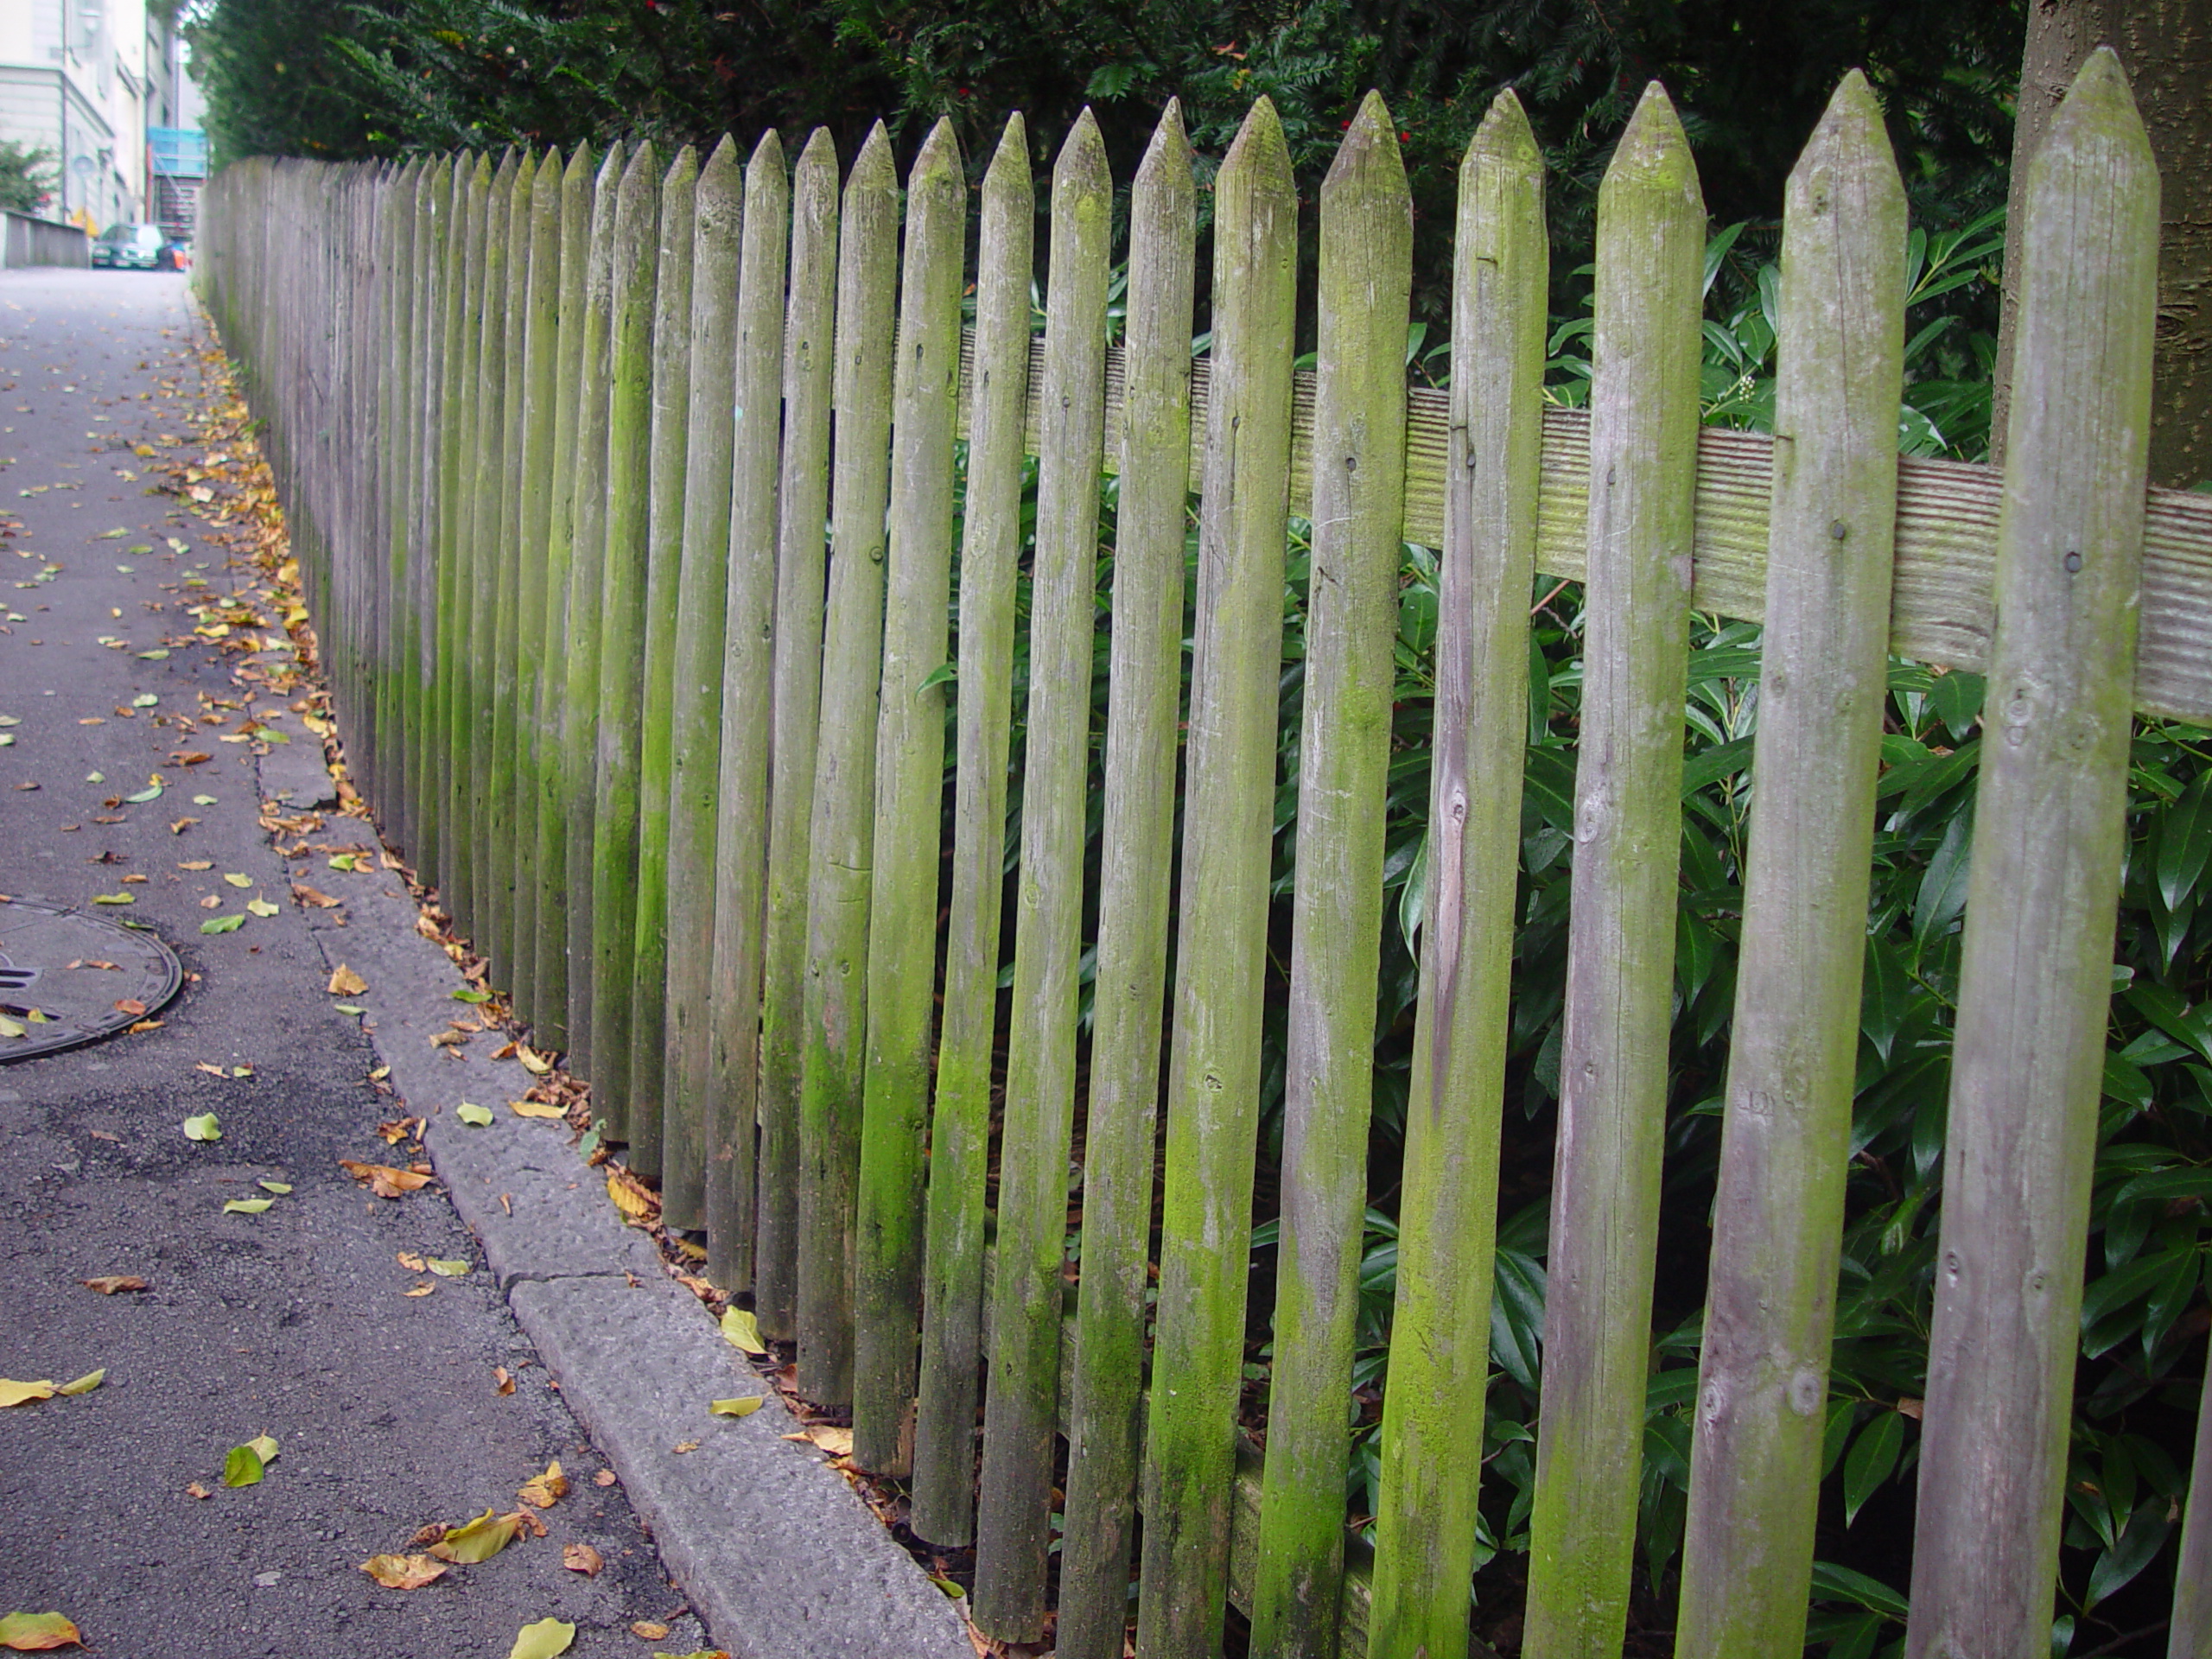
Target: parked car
129 247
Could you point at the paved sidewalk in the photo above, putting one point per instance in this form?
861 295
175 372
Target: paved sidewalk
380 1382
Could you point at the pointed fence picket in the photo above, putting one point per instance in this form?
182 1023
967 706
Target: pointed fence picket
624 498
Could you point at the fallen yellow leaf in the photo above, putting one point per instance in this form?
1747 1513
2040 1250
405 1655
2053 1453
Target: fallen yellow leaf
742 1330
411 1262
38 1632
108 1284
546 1639
21 1394
743 1406
537 1108
630 1194
86 1384
447 1268
682 1446
649 1629
419 1290
344 982
403 1572
543 1491
479 1540
533 1062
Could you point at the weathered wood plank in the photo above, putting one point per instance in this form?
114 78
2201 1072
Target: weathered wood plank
437 235
464 383
747 710
1620 964
1447 1210
475 908
2049 834
1947 527
1014 1514
960 1126
1137 851
1786 1138
623 584
1344 759
495 937
541 365
909 785
1230 777
835 1021
556 757
2189 1637
587 578
810 357
696 691
671 444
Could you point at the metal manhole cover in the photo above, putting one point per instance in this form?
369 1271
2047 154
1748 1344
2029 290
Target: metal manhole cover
67 978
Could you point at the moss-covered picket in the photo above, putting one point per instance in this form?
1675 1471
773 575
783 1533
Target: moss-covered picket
628 494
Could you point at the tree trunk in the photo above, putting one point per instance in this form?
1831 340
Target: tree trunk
2166 46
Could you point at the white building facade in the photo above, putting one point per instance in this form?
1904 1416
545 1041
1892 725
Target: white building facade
85 80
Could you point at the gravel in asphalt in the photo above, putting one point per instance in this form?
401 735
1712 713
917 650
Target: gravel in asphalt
296 1322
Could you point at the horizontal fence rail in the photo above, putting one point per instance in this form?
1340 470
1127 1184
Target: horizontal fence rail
663 524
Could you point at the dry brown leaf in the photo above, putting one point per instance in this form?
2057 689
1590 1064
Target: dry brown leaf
581 1558
604 1477
648 1630
502 1381
682 1446
344 982
412 1262
197 1490
419 1290
403 1572
837 1442
543 1491
526 1520
383 1179
447 1038
397 1130
313 899
108 1284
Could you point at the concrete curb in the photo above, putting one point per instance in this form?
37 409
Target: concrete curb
774 1551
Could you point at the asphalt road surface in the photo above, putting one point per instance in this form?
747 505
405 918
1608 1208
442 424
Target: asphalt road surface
296 1322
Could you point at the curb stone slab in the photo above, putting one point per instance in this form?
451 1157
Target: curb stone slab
774 1551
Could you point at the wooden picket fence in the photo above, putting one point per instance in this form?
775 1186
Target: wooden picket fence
559 438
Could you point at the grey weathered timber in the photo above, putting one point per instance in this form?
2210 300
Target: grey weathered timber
1447 1209
1136 855
1786 1140
1013 1516
1344 761
464 384
486 496
436 235
395 434
556 759
623 582
495 938
834 1024
1221 932
695 712
960 1126
541 360
748 710
810 357
1620 965
2049 832
673 337
2189 1636
670 447
909 785
586 576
